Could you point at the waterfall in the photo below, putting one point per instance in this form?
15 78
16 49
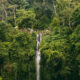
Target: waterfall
38 56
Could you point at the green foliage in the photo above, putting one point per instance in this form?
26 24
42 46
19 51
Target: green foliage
75 40
57 55
55 22
11 21
17 53
75 35
5 32
25 19
40 24
0 78
75 16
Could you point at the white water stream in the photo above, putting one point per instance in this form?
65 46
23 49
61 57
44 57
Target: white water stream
38 56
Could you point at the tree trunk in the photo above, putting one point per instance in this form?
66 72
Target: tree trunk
5 13
54 7
44 2
14 12
4 10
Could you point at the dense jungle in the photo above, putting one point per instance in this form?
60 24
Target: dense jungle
39 39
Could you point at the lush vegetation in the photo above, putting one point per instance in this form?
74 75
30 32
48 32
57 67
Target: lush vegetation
17 53
59 20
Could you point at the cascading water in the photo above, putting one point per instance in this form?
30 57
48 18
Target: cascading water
38 57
